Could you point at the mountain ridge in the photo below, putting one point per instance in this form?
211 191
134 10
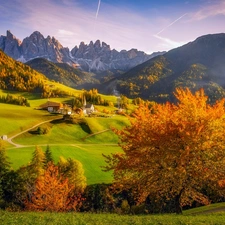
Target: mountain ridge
61 72
95 57
197 64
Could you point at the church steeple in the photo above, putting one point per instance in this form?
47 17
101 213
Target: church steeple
84 101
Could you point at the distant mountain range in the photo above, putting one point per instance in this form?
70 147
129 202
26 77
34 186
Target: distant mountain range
94 57
198 64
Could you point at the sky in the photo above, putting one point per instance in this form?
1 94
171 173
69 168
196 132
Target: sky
146 25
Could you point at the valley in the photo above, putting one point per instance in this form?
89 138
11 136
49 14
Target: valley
124 121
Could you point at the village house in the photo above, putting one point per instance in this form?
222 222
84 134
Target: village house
4 137
52 107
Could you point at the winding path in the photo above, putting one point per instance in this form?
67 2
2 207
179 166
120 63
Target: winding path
24 131
47 121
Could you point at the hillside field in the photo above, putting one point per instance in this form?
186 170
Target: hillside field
89 155
84 143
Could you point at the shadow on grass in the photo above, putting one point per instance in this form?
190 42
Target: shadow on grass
85 128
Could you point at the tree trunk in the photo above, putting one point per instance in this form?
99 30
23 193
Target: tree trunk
178 207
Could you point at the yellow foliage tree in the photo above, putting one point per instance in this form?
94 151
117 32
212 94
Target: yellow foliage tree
172 150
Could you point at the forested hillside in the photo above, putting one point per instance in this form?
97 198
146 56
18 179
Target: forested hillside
61 72
16 76
198 64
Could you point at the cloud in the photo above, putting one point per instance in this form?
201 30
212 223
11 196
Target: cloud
167 43
215 8
119 25
65 33
72 23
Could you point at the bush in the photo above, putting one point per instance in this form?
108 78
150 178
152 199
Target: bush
43 130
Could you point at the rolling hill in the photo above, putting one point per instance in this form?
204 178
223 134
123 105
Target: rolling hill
16 76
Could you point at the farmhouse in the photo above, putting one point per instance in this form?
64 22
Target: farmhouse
53 107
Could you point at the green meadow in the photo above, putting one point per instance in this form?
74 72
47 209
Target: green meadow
9 218
89 155
206 215
84 143
14 119
66 133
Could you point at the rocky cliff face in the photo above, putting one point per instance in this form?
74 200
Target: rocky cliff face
10 45
99 57
34 46
93 57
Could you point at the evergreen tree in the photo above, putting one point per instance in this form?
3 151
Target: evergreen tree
48 156
4 170
37 162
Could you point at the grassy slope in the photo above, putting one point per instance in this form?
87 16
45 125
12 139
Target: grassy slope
217 207
61 136
17 118
64 133
14 119
106 219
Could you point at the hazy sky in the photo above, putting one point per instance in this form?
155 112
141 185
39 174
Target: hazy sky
148 25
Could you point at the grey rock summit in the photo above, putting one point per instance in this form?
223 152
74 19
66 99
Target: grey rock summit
94 57
99 57
10 45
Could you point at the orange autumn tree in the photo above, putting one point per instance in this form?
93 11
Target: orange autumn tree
173 150
53 193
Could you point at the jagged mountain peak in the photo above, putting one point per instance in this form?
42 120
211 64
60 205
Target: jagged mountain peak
36 33
9 34
10 44
35 37
95 56
97 44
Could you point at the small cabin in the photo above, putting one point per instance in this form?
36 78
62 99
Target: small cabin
4 137
52 107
